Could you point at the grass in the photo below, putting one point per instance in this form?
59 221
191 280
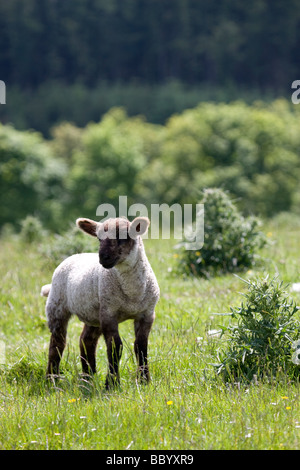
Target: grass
185 407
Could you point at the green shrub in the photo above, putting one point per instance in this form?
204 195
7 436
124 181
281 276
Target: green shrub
31 178
231 241
73 241
31 229
266 333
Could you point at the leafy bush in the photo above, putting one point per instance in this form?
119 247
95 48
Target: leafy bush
231 241
31 178
73 241
261 343
32 229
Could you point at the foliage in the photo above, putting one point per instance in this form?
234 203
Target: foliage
108 164
150 41
31 229
53 102
66 138
72 241
30 178
231 241
260 344
250 150
153 57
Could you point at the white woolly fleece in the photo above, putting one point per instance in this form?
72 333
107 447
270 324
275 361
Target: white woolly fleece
81 286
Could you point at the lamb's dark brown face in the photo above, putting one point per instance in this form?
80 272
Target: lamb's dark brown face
115 243
117 237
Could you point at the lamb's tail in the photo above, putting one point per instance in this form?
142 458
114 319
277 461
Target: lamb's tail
45 290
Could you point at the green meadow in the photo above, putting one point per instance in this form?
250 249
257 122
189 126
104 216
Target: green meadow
186 406
143 104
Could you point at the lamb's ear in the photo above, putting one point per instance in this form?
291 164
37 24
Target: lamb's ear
138 226
87 225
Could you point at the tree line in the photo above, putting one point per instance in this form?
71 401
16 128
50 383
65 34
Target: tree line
151 41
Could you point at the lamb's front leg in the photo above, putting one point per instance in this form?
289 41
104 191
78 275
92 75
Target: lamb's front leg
142 329
88 343
114 347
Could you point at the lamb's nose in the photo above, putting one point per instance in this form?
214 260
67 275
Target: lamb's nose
107 260
104 256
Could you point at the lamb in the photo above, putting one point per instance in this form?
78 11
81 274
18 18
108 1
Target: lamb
102 291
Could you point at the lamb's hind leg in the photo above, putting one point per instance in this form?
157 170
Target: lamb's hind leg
58 328
88 343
